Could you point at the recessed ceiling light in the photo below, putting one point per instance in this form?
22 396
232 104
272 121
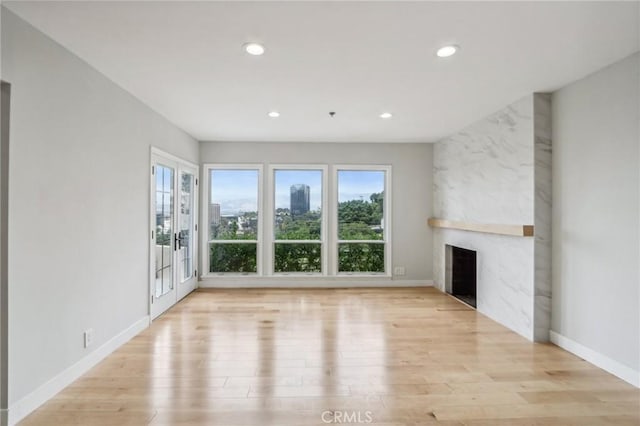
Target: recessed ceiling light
255 49
274 114
446 51
386 115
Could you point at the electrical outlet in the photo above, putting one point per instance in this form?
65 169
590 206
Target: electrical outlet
398 270
88 337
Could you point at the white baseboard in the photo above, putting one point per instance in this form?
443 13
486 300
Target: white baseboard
308 282
29 403
627 374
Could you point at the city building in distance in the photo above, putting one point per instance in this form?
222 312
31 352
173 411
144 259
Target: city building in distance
299 203
214 213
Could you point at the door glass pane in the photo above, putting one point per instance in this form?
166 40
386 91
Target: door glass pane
164 230
185 235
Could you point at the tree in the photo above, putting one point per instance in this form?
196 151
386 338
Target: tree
361 257
233 257
357 220
361 220
299 257
303 227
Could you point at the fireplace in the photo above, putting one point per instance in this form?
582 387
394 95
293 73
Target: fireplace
461 274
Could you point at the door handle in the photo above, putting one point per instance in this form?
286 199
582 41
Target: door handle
175 241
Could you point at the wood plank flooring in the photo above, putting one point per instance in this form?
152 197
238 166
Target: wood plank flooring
337 356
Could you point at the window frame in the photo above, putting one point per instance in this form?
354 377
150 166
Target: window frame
206 194
270 241
387 234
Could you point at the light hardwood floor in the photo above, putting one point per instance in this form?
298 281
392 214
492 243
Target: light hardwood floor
305 357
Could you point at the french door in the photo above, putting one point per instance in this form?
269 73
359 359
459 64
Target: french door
174 190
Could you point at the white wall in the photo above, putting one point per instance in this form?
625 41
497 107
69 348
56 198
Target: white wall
411 187
497 171
78 206
596 217
4 210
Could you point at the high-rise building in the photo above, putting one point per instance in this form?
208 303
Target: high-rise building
299 199
214 213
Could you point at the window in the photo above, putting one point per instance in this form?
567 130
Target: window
362 219
298 225
234 220
298 237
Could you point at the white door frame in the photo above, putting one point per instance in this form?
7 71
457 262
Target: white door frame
159 306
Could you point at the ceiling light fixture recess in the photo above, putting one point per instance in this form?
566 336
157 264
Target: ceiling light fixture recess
274 114
255 49
446 51
386 115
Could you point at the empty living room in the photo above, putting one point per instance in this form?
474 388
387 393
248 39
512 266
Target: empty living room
307 213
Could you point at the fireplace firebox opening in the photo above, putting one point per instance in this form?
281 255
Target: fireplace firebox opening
462 273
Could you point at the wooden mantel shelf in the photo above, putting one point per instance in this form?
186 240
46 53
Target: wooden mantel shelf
487 228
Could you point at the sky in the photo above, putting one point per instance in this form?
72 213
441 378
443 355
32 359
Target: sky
359 184
237 190
285 178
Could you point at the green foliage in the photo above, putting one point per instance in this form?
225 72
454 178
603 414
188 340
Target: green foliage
228 228
298 258
233 257
163 236
361 257
357 220
303 227
360 220
358 231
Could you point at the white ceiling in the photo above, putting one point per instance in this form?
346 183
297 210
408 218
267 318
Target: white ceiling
184 60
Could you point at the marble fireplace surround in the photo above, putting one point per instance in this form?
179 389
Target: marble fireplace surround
498 171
